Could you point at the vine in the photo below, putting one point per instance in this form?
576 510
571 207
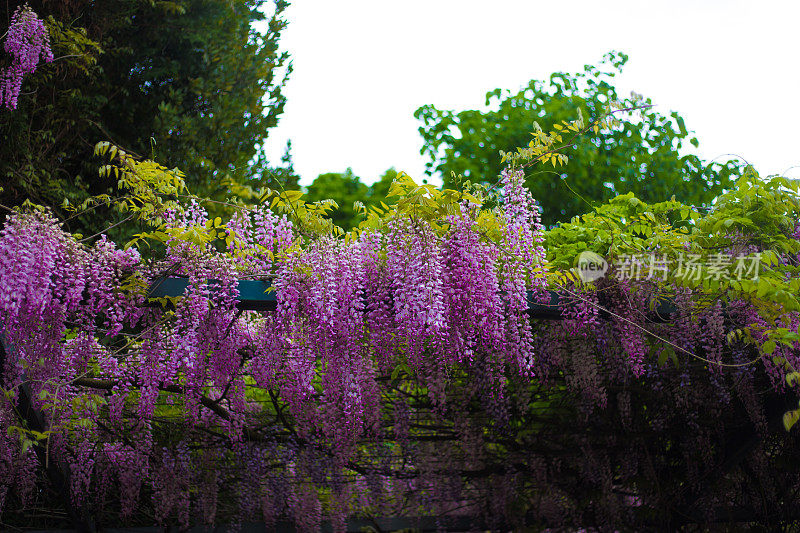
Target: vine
400 373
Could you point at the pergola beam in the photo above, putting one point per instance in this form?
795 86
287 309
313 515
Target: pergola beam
259 295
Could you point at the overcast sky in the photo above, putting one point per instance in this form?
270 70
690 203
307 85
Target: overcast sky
361 68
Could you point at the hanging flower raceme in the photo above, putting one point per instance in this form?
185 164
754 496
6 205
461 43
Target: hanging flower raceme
42 283
27 42
471 288
524 267
414 265
523 230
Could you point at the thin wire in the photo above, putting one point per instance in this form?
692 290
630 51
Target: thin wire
658 337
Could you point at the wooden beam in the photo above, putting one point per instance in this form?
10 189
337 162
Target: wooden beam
258 295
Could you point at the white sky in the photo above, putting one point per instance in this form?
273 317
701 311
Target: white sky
361 68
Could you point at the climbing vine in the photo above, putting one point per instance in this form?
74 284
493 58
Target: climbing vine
400 372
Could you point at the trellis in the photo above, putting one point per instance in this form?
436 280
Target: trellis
253 295
256 295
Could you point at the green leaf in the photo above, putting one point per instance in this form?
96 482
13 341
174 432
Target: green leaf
790 418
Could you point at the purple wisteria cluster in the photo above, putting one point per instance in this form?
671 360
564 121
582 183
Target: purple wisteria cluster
400 373
27 42
349 313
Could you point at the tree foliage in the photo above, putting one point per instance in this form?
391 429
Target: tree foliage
352 197
343 188
642 154
192 83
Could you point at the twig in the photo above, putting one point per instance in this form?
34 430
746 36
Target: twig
107 228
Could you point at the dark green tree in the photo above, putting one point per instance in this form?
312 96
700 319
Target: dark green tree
195 84
277 177
345 189
378 190
642 154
